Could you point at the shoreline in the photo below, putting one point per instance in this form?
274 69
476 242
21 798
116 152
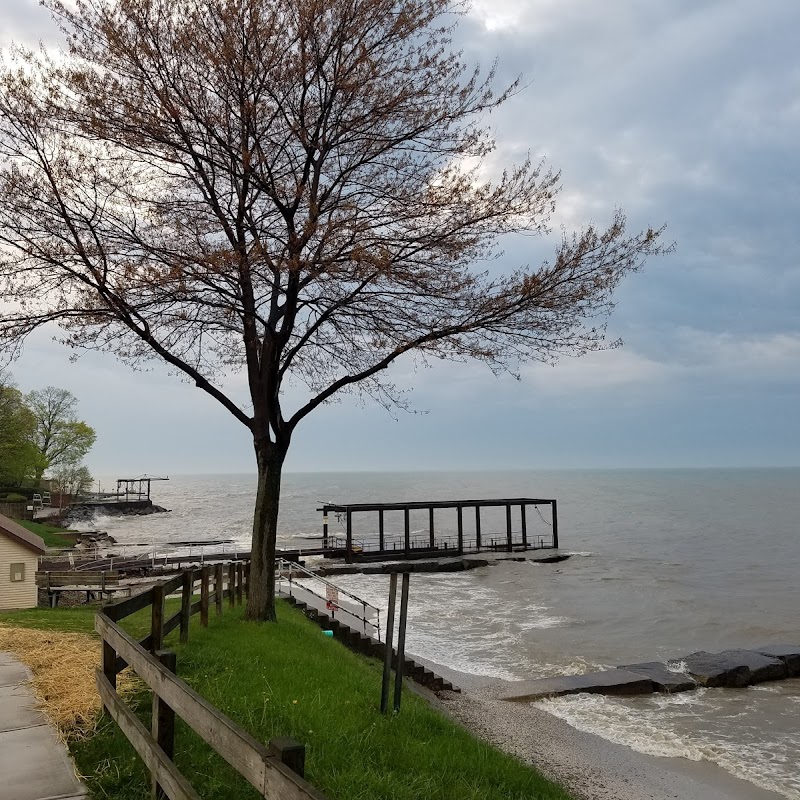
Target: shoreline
587 765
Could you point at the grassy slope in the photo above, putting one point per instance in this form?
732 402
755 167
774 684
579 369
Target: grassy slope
289 680
53 536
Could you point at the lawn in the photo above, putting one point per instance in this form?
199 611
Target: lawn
52 535
289 680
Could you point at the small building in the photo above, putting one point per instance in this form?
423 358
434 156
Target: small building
19 558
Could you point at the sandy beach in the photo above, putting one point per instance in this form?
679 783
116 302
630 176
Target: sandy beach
590 767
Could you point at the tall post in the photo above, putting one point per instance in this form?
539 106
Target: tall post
325 526
157 618
380 529
431 528
522 509
219 585
389 637
186 604
401 642
163 721
407 524
509 538
460 516
349 553
205 577
555 523
478 528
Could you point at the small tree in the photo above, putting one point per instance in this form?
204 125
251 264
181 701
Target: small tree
292 189
61 439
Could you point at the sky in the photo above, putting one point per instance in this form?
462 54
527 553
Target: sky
684 112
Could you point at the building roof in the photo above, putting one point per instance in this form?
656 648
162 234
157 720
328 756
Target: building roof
21 535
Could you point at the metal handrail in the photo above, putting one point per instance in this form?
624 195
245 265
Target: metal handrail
284 565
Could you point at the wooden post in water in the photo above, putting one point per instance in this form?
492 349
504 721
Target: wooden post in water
431 528
157 618
401 642
205 576
186 604
460 517
389 637
478 528
380 530
163 726
325 526
219 587
349 553
555 524
509 539
407 524
523 519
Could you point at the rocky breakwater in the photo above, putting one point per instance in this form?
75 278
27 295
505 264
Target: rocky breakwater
730 668
84 511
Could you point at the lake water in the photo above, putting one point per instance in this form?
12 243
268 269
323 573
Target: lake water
666 562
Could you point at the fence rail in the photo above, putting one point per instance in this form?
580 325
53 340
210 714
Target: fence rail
274 770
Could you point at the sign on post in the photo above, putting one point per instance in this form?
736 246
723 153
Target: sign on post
331 598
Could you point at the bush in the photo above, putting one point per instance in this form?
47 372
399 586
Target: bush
14 498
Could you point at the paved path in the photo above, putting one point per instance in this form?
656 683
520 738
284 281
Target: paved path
34 764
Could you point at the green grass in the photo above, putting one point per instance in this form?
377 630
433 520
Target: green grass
52 535
80 619
289 680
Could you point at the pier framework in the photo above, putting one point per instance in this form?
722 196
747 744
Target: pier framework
471 534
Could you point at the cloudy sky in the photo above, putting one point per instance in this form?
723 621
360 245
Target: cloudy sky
685 112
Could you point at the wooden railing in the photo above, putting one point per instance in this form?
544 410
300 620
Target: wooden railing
276 770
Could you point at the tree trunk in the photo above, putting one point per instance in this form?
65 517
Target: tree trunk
261 601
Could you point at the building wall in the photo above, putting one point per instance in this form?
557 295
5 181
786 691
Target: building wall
17 594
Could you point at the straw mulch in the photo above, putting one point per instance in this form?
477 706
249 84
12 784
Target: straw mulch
63 666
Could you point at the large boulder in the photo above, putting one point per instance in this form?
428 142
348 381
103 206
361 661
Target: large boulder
663 678
788 653
733 668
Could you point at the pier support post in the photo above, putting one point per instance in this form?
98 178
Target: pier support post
430 528
460 516
407 524
478 528
555 523
381 543
349 554
509 532
522 510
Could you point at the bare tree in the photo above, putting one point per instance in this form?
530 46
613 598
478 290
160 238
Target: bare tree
295 190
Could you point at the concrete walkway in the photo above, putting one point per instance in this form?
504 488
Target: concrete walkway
34 764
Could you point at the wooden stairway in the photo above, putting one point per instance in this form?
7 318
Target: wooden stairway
357 641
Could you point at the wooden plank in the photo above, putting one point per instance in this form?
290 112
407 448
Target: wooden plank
219 587
204 596
235 745
163 723
194 608
171 586
157 618
246 755
173 622
174 784
186 604
132 604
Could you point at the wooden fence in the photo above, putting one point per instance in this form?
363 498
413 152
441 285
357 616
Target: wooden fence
276 770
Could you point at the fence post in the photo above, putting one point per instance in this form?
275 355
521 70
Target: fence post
219 580
204 579
163 721
247 580
232 584
290 753
110 655
157 618
186 604
387 655
239 582
401 642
